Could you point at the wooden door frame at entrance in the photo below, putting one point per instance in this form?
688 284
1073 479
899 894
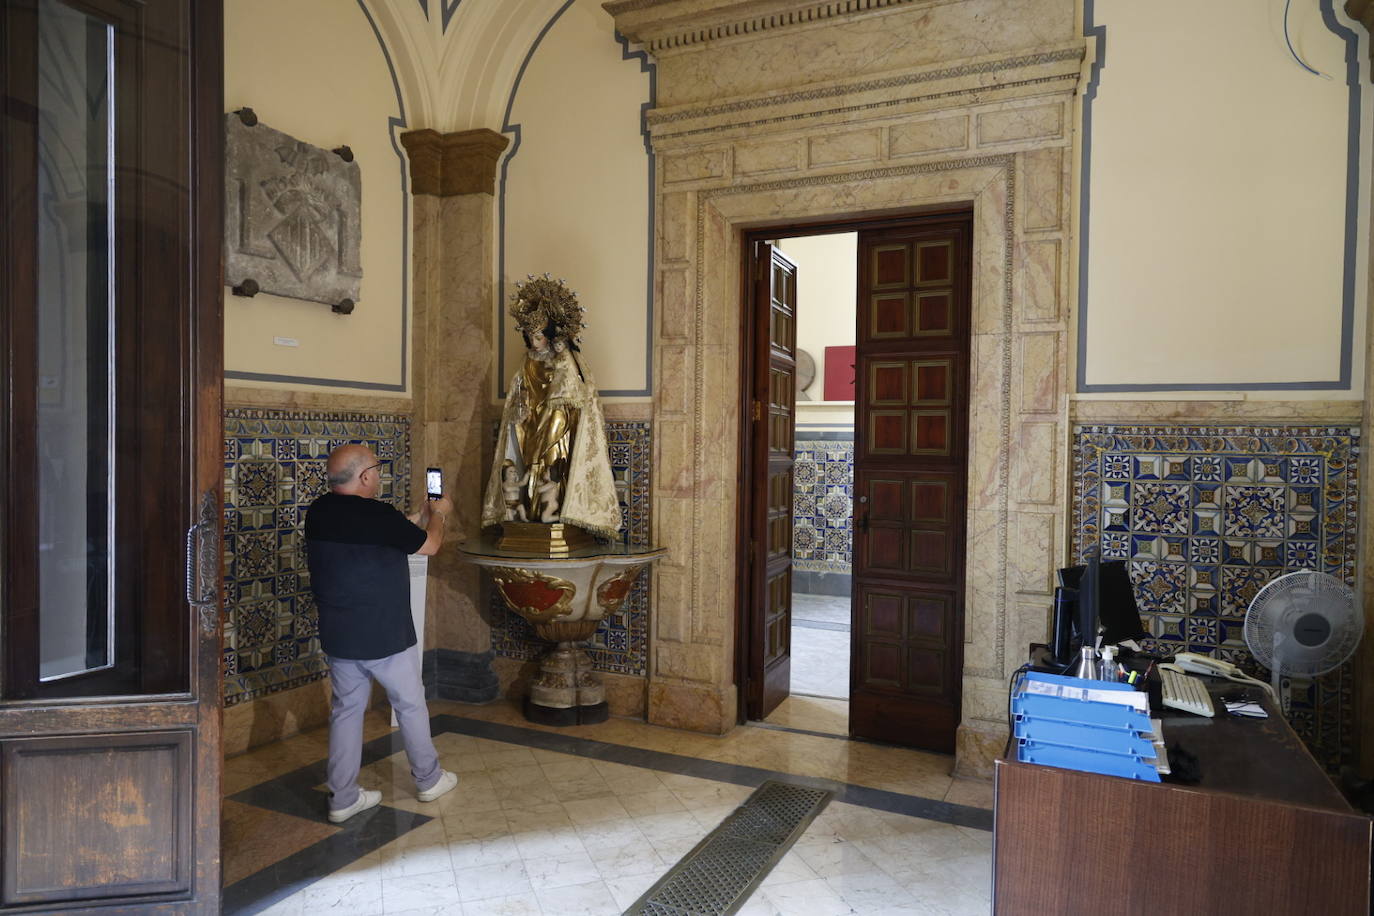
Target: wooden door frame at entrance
745 471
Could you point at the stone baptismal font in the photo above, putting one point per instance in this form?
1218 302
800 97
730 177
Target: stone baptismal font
558 561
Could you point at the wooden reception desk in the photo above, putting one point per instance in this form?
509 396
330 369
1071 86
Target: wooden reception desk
1264 832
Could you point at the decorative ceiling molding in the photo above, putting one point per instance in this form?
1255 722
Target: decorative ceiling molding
669 25
1362 11
456 68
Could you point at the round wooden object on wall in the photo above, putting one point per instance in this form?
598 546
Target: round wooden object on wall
806 374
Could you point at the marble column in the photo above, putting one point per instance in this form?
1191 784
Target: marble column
452 179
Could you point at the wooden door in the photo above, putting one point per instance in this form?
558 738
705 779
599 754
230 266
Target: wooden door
769 593
111 169
910 480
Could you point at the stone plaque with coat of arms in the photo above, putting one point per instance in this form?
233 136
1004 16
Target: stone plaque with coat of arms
292 216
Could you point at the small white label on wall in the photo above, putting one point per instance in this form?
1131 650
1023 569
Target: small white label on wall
286 341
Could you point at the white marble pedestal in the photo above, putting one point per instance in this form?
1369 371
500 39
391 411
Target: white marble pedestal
564 598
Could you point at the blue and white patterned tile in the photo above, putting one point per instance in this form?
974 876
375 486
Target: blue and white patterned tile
823 505
1232 508
273 469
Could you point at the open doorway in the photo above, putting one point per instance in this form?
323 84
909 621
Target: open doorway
822 482
852 591
822 511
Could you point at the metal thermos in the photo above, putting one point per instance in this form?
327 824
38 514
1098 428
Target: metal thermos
1087 664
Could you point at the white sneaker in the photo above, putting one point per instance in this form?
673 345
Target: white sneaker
447 780
367 798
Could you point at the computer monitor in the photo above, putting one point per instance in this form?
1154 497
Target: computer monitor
1116 609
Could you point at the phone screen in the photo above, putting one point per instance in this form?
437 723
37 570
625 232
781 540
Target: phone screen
434 483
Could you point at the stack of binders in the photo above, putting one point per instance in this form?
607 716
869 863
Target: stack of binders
1078 724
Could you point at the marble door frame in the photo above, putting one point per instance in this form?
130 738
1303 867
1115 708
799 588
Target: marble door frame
1016 525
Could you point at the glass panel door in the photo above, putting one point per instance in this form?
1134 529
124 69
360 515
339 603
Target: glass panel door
75 341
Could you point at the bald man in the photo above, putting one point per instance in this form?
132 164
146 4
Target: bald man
357 547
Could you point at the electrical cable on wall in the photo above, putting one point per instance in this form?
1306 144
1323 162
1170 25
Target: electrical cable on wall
1288 4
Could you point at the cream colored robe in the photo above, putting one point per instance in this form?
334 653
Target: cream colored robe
589 499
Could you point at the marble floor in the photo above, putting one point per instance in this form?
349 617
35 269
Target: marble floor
820 645
823 715
584 821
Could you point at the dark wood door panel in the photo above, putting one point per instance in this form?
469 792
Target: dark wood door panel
96 816
772 359
26 720
929 725
109 775
911 429
911 524
914 408
902 668
897 611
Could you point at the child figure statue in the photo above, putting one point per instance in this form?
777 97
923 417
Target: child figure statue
511 482
547 492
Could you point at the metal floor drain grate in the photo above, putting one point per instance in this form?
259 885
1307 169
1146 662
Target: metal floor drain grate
721 871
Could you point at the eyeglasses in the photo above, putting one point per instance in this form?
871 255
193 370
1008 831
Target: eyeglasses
368 468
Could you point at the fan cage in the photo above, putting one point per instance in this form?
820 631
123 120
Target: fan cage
1278 607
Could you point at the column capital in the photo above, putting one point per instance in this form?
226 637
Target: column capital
462 162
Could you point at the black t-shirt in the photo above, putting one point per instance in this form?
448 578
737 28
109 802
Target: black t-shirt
357 549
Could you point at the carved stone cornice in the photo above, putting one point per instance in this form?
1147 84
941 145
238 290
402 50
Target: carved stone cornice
445 165
667 25
996 77
1362 11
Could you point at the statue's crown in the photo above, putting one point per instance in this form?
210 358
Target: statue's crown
542 301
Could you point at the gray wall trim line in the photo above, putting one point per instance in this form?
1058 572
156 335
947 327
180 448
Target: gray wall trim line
645 66
448 8
310 380
393 125
1352 223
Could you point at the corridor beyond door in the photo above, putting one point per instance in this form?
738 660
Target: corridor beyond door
823 469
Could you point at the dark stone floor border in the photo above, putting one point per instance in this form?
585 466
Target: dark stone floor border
296 794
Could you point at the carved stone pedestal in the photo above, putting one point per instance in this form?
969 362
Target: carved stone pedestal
567 690
565 597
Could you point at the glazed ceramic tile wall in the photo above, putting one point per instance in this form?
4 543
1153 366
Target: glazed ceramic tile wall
1205 517
621 642
274 464
823 504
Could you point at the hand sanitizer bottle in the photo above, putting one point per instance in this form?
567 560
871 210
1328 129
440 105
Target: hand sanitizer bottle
1107 668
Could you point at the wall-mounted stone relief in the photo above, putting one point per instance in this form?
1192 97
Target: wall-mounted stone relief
292 216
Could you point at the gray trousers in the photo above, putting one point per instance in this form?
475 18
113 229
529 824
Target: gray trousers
351 683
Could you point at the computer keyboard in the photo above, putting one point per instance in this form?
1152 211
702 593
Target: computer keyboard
1181 691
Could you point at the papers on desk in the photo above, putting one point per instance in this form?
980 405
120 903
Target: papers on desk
1161 752
1076 688
1247 708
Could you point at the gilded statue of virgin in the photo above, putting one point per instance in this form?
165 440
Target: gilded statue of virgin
552 465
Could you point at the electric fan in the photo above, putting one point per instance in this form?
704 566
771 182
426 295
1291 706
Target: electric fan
1303 624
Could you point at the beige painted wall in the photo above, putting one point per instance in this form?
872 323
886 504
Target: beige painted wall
1218 188
827 278
577 192
314 69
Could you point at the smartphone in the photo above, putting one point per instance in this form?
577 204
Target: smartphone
434 482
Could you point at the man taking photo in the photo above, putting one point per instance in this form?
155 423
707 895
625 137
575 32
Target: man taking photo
357 548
